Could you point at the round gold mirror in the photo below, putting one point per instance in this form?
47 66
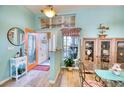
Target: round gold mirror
15 36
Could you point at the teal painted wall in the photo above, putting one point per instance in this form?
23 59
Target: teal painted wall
89 18
11 16
55 56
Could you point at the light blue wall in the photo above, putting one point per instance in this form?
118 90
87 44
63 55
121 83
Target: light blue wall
88 18
55 56
11 16
55 62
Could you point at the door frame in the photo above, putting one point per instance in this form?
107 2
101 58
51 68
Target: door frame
30 66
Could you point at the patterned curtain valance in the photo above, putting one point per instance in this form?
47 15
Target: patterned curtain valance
71 31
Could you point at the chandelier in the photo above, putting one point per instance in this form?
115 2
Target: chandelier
49 11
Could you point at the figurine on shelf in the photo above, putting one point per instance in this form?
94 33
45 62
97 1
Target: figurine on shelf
103 29
116 69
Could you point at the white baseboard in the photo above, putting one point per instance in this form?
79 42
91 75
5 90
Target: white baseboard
54 81
5 80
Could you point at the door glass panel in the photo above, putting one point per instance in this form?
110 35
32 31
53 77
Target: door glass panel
120 51
89 51
31 49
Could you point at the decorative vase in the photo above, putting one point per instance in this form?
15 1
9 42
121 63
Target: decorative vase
102 36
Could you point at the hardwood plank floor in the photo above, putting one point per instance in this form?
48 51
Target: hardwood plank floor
36 78
71 78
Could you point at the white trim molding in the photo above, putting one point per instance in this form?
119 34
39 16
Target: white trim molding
54 81
5 80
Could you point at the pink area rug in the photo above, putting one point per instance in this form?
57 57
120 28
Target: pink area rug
42 68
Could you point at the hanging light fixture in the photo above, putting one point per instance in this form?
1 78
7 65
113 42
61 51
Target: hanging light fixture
49 11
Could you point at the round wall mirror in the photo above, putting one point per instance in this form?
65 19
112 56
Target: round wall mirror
15 36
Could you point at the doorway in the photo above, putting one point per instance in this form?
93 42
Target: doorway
43 54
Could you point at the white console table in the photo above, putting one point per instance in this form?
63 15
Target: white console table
18 67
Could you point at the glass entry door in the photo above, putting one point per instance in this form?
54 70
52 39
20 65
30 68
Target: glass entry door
31 50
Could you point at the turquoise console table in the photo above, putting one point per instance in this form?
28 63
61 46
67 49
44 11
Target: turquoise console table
109 76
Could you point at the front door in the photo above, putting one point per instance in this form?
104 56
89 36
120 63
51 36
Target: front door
32 51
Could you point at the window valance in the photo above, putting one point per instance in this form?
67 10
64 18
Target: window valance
71 31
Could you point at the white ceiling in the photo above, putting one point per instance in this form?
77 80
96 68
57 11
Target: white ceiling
59 8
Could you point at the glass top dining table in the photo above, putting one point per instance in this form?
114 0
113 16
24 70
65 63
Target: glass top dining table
109 75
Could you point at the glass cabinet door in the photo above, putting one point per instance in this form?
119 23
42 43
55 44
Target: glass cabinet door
89 51
120 51
105 53
89 54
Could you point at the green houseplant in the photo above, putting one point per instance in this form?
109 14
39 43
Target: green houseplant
69 63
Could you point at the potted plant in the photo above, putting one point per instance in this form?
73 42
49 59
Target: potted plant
69 63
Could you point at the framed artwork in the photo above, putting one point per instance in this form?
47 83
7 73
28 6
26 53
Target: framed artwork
69 21
45 23
58 21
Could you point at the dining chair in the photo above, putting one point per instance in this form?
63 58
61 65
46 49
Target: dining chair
87 83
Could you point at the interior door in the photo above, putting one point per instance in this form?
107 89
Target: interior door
105 53
89 54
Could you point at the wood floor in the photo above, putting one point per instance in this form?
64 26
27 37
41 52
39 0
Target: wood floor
71 78
36 78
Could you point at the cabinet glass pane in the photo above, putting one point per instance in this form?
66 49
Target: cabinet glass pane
105 54
89 51
120 51
105 51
